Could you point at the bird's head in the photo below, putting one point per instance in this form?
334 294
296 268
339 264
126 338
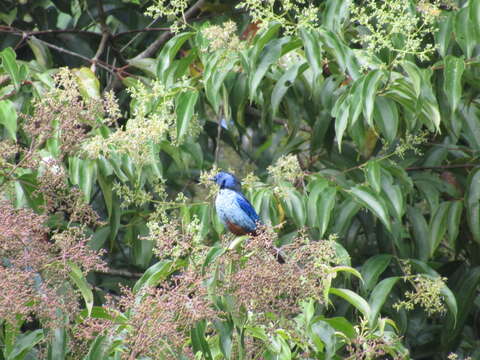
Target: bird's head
227 181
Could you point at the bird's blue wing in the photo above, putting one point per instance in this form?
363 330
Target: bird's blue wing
247 208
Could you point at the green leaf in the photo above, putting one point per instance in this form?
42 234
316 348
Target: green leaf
8 118
96 348
225 331
472 203
284 83
261 40
373 268
10 65
168 53
82 284
444 34
373 202
369 92
414 75
465 32
451 302
353 298
454 217
185 107
326 334
343 217
325 206
269 56
214 79
199 343
378 297
438 226
316 189
57 349
347 269
24 343
313 50
295 206
341 122
212 255
385 115
41 52
452 83
88 83
154 274
466 291
373 171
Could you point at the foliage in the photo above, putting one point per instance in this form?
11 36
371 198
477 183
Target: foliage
355 127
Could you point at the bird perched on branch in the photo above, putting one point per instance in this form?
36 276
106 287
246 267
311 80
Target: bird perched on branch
233 208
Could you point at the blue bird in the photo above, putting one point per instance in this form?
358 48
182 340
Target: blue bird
233 208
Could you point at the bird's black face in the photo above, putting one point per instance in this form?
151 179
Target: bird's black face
227 181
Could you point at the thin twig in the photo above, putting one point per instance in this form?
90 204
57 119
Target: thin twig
9 29
60 49
105 35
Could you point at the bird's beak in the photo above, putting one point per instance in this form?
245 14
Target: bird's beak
212 179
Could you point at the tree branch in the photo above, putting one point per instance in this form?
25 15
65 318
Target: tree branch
105 35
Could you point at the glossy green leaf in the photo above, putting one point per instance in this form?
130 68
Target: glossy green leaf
472 203
452 85
316 188
465 31
373 268
444 34
354 299
373 172
82 284
438 226
225 330
341 122
385 116
295 207
454 217
284 83
185 107
24 343
369 92
41 52
212 255
378 296
8 118
343 216
451 302
10 65
326 334
199 342
168 53
313 50
325 206
270 55
154 275
96 350
373 202
88 83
